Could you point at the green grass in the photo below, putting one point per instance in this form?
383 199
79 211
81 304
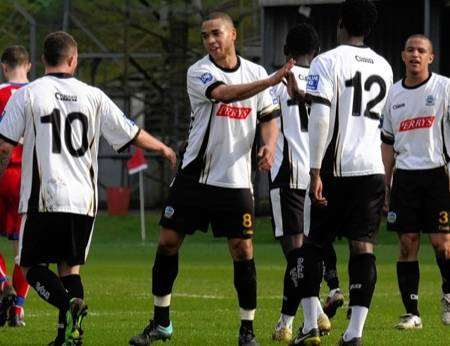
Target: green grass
204 310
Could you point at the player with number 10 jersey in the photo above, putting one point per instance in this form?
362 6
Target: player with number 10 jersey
60 151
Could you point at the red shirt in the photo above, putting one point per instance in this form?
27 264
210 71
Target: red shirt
6 91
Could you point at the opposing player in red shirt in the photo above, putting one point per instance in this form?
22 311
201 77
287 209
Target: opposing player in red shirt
15 63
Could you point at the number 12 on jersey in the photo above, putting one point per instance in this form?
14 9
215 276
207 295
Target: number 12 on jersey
356 83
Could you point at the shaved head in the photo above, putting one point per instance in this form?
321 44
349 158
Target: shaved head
220 15
420 37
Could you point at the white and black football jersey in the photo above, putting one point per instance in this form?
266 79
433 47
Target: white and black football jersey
353 81
417 123
221 135
291 164
61 120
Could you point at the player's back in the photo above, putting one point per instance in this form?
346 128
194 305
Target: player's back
62 120
61 143
354 80
291 162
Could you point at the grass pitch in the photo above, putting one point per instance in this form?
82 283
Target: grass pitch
204 310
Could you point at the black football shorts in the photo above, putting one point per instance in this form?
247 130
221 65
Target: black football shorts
420 201
54 238
287 211
193 206
353 211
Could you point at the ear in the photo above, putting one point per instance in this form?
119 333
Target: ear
43 60
71 60
29 67
4 69
431 59
404 56
233 34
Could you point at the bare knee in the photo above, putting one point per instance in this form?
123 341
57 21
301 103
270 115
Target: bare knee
409 247
241 249
441 245
291 242
360 247
169 242
65 269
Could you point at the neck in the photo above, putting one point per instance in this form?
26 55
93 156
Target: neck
58 69
228 61
412 79
302 60
354 40
18 77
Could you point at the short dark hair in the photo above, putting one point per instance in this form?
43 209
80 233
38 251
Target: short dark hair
358 17
421 36
219 15
302 39
58 46
14 56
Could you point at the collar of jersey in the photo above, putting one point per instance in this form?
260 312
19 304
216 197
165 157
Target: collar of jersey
355 45
59 75
17 84
224 69
418 85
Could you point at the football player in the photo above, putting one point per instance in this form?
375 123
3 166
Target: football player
61 120
228 96
416 132
289 179
15 65
347 87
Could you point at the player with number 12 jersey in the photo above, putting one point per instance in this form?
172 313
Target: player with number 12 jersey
353 81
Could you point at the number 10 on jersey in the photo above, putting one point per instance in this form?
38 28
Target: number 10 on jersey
54 119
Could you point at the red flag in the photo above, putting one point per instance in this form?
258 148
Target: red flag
137 162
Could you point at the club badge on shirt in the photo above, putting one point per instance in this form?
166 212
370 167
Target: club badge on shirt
206 77
313 82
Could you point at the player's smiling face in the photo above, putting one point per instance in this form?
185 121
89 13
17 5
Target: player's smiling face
218 38
417 55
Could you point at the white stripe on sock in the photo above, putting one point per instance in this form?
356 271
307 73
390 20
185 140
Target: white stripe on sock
162 301
248 315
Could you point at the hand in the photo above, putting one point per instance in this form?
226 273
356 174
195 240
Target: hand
315 191
281 73
292 88
170 156
266 157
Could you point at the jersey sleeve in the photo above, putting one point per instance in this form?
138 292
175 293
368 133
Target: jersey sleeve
268 106
320 84
201 81
387 131
115 127
13 119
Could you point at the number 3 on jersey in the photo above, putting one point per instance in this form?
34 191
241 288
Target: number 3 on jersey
356 83
54 119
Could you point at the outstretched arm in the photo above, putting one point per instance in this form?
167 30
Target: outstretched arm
146 141
229 93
